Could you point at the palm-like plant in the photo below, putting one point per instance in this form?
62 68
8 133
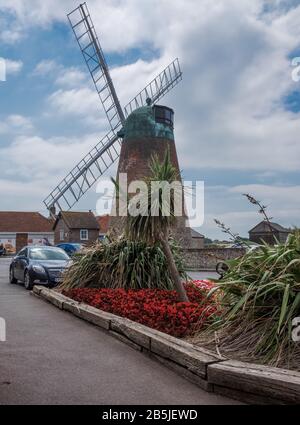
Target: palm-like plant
155 228
123 264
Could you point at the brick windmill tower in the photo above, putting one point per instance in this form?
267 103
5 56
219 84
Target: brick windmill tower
148 131
142 129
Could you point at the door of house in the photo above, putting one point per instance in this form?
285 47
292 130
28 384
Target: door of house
21 241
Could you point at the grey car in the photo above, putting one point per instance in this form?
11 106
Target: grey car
42 265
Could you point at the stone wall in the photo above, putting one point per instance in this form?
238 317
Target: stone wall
207 258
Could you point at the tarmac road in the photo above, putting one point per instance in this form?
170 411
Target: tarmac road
51 357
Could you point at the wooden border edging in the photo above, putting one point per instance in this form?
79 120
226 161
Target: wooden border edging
250 383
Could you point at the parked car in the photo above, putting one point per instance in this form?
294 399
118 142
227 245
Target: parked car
2 250
70 248
39 264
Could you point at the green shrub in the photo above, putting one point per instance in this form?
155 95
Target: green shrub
123 264
260 295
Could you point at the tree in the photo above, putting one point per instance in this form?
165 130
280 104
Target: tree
152 228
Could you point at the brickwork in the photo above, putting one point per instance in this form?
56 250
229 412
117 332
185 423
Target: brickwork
21 241
134 160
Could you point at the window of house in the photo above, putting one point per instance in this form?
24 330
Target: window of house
84 235
62 235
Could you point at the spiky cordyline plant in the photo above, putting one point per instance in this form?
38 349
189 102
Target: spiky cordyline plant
155 228
122 264
145 256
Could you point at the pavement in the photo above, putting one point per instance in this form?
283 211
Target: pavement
203 275
52 357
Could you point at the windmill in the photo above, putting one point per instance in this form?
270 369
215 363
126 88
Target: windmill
82 177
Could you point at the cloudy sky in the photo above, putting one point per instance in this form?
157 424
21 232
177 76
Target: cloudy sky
237 109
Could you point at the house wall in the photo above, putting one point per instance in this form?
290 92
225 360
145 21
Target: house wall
39 238
267 237
283 237
9 241
14 242
61 225
73 235
197 243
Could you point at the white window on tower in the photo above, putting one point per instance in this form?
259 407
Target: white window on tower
84 235
62 235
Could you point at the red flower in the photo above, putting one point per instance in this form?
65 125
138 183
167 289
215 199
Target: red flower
155 308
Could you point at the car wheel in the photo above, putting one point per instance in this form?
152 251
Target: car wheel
28 281
12 278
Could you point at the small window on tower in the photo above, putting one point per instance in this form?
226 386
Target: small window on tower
62 235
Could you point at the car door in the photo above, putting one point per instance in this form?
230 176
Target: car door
16 264
24 260
20 264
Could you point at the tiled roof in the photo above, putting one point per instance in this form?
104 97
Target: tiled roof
263 226
78 220
196 234
24 222
103 221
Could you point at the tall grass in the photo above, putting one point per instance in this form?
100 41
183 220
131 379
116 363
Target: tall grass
260 296
123 264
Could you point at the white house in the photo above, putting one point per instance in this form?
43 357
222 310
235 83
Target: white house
18 229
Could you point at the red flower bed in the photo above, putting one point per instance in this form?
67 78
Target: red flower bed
157 309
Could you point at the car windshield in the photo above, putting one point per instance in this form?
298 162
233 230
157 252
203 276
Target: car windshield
47 254
76 246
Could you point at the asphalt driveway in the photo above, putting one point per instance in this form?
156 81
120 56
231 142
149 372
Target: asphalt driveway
51 357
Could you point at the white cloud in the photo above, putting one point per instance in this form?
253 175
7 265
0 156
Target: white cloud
10 36
45 67
229 109
13 67
28 196
282 201
16 124
70 77
278 198
82 101
35 158
32 166
62 76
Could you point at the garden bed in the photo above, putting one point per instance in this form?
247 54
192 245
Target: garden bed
155 308
243 381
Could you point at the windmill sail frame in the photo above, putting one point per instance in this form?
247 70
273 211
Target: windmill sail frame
157 88
87 39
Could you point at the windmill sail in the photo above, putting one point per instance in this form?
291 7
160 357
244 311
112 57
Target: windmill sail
84 174
84 30
158 87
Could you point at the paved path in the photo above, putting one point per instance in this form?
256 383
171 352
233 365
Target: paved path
203 275
51 357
